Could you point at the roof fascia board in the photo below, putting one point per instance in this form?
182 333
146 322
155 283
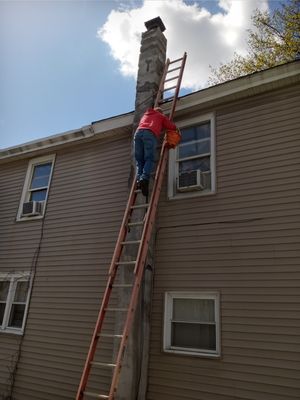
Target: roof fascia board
248 85
110 125
98 130
46 143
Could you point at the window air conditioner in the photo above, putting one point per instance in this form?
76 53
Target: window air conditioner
188 181
32 208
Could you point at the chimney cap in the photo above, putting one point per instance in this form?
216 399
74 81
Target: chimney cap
155 23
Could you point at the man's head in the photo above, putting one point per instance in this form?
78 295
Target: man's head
158 109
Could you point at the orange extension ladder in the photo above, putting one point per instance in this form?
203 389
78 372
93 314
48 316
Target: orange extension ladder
143 244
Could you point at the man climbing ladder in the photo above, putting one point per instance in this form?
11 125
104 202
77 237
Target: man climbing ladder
137 263
145 143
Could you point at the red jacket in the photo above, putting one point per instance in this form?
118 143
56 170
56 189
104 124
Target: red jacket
155 122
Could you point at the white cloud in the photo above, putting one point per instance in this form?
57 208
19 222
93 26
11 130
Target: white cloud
207 38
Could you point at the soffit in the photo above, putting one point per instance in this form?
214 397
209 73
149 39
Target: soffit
110 127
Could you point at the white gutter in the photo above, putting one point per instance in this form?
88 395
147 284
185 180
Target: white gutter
249 85
110 126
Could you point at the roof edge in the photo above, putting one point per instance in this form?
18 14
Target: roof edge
252 84
247 85
97 129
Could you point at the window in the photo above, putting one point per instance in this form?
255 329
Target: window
36 188
191 324
192 163
14 298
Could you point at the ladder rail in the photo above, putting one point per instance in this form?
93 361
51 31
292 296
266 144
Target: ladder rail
141 257
112 273
161 89
178 86
95 339
146 234
162 83
123 229
140 262
139 268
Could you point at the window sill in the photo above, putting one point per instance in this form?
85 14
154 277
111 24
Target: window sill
18 332
185 352
192 194
23 219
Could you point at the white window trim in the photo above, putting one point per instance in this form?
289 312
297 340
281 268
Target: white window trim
172 194
25 192
168 311
13 278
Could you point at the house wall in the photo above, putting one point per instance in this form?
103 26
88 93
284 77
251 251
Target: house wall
243 242
85 206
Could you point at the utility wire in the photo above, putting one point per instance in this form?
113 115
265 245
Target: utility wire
31 281
12 378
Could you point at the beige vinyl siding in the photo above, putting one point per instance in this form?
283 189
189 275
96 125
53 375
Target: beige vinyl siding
9 345
243 242
85 206
16 255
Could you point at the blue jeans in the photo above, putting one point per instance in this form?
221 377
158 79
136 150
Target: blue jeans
145 144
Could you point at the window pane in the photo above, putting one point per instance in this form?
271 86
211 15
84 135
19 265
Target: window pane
194 148
195 132
16 315
38 195
42 170
4 286
41 174
203 164
194 310
39 182
194 336
2 309
21 291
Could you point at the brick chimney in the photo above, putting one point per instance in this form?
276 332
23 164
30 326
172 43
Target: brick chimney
151 65
133 380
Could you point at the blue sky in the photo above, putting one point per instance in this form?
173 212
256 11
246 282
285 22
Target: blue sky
67 63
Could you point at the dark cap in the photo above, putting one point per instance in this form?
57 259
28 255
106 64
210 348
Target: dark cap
155 23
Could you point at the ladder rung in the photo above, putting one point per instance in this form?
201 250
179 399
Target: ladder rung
131 242
100 364
122 285
170 88
178 59
137 191
110 335
126 262
116 309
171 79
135 223
173 69
96 396
166 99
140 206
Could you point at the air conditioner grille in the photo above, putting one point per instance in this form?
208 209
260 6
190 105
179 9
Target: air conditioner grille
188 179
31 208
